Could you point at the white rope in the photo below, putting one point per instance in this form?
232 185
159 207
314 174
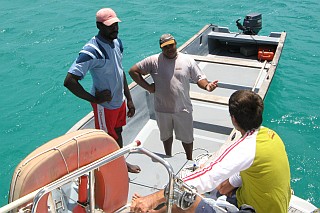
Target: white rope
61 144
78 152
64 160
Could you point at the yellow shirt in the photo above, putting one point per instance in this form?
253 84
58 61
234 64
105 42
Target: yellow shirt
272 192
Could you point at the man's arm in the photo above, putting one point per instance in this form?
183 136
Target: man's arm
136 75
235 180
130 104
206 85
150 202
72 83
225 188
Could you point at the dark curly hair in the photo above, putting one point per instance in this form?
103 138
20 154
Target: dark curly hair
247 109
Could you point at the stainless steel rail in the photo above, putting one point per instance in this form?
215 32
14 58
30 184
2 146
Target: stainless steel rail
133 147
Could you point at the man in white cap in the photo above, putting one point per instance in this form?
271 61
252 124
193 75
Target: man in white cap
102 56
171 72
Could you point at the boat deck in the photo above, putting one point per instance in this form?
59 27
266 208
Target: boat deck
153 176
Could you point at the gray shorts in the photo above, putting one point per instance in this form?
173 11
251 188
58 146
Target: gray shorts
180 122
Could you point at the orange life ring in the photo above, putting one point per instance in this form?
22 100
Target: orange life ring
60 156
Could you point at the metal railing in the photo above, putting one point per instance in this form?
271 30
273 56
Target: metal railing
133 147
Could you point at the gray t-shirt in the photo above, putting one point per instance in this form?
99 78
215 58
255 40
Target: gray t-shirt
172 80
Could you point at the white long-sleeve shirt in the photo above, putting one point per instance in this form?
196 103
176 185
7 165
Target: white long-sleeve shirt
237 157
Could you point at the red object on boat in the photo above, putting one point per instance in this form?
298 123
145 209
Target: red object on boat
82 195
265 54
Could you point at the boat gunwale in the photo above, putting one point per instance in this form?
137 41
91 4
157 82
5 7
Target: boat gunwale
271 71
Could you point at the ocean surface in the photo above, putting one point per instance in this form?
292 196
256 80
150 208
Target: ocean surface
39 40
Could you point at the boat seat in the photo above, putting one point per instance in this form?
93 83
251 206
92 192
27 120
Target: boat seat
231 61
209 98
241 38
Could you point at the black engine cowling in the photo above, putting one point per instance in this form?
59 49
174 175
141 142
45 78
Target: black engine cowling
252 24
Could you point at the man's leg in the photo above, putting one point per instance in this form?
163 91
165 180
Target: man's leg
196 207
165 124
188 148
200 206
183 127
119 134
167 144
107 120
144 203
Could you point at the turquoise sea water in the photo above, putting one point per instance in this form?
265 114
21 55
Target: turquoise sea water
40 39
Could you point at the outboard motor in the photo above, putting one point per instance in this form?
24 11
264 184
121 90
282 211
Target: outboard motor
252 24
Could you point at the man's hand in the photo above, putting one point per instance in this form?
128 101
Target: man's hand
151 88
131 108
211 86
141 204
225 188
103 96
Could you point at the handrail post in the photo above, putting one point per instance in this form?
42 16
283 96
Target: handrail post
91 194
169 168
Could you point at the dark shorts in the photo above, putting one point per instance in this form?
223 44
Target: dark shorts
204 207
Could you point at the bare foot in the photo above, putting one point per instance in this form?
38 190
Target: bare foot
133 168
